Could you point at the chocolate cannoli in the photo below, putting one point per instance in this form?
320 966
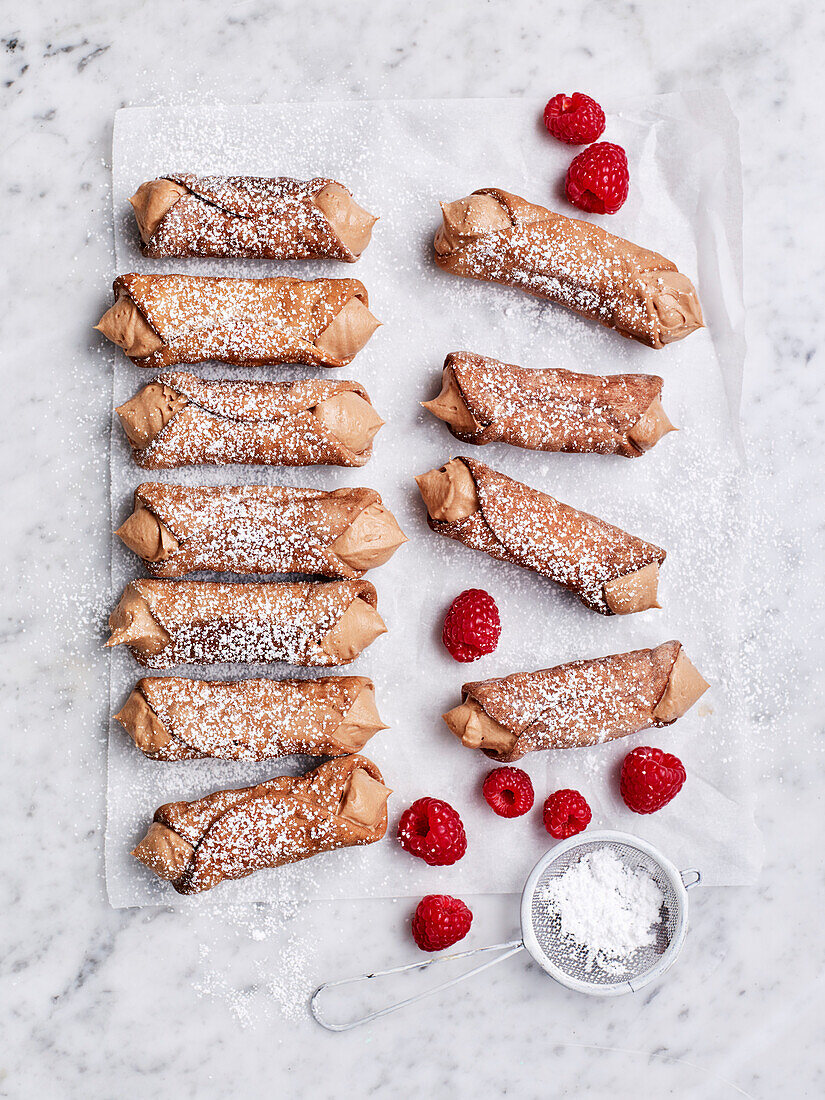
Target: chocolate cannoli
231 834
180 529
501 238
166 623
609 570
163 320
183 214
182 420
485 401
175 719
576 704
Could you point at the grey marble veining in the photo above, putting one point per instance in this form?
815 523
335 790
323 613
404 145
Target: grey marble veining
98 1003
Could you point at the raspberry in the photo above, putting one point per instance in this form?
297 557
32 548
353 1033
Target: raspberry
575 119
565 814
440 921
472 626
432 830
650 779
598 179
509 792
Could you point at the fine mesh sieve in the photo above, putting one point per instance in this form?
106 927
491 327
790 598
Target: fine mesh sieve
563 958
559 955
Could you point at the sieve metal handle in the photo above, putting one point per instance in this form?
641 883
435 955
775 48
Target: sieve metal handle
507 950
691 876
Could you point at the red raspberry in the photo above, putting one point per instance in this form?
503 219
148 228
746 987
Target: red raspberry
565 814
650 779
598 179
509 792
575 119
472 626
440 921
432 830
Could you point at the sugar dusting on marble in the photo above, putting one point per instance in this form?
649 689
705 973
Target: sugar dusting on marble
279 986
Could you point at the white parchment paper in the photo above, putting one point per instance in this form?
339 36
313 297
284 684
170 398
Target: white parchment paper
400 159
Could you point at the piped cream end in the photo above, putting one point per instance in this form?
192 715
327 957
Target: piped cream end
471 724
370 540
152 202
133 624
651 426
125 325
348 331
364 800
633 592
142 724
451 407
351 223
361 722
164 852
144 416
684 686
357 628
351 419
146 535
466 219
449 493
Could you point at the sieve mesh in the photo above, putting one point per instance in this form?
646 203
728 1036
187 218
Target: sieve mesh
567 959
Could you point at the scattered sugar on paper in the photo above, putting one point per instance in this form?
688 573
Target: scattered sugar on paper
609 910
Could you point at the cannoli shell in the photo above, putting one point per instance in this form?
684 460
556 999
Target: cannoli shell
253 528
516 523
580 265
249 719
247 322
250 423
580 703
553 409
231 834
247 217
211 622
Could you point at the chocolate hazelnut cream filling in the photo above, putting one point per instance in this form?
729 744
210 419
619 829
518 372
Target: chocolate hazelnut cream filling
355 726
357 628
450 496
351 419
350 223
670 295
133 624
152 202
146 535
125 325
451 407
370 540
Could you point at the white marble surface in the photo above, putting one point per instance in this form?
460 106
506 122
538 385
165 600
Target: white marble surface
97 1003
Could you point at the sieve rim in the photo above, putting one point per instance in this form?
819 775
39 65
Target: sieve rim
604 836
